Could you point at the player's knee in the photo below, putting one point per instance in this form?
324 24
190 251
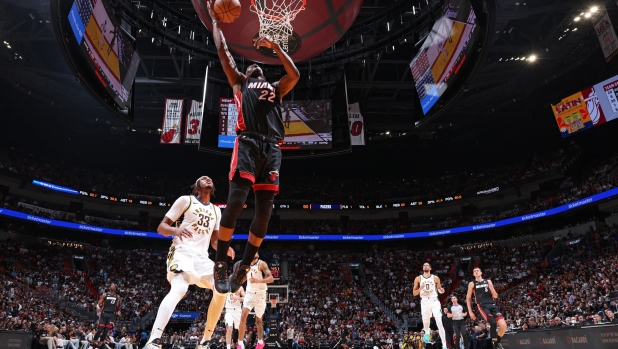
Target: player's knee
263 209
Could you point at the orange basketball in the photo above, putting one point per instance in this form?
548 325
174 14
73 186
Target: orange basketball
227 10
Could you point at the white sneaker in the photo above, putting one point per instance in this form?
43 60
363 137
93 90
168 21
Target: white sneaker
155 344
203 345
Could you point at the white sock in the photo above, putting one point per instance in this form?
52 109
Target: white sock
261 341
242 343
177 291
229 346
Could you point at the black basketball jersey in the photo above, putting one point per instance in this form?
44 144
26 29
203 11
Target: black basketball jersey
111 301
482 294
259 109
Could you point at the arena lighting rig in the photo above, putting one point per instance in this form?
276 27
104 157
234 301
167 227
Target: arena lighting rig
165 24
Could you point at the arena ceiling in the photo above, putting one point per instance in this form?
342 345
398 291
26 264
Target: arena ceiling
33 73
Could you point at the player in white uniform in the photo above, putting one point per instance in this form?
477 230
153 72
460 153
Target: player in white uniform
428 286
255 298
233 311
187 260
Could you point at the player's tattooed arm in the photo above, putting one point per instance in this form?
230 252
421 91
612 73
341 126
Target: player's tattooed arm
235 78
417 289
268 276
166 229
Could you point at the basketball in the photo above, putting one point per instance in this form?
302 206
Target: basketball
227 10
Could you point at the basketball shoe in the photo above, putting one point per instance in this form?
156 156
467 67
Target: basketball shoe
155 344
220 274
238 277
204 344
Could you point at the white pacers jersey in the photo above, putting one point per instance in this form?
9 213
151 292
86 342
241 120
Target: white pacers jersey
428 287
232 303
201 220
255 272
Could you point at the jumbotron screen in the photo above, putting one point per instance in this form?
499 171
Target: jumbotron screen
105 47
444 52
307 124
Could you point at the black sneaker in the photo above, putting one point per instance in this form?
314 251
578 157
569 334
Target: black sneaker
239 276
220 273
497 345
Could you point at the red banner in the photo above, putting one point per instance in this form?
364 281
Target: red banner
193 125
172 119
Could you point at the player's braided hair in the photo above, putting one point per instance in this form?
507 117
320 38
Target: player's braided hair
196 186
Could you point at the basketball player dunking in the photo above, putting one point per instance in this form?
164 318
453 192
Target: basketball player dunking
187 261
256 159
233 310
109 306
484 294
255 299
428 286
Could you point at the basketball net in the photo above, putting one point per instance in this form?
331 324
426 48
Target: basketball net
273 303
276 18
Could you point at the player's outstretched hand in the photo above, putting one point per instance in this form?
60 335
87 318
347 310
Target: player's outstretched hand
472 316
211 12
183 233
441 290
231 253
264 42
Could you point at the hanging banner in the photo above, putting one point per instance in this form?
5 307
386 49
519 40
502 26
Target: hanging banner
170 131
357 124
193 125
606 34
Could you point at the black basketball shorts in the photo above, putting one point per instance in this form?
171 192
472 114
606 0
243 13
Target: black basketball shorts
106 318
258 161
488 310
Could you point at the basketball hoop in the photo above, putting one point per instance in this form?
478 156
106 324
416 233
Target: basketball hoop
273 303
275 18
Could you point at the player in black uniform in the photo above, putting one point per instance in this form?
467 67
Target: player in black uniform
484 295
109 306
256 159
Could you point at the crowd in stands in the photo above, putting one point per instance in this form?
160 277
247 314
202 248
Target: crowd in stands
577 287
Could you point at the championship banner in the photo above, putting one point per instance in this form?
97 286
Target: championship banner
572 115
357 124
172 116
193 125
606 34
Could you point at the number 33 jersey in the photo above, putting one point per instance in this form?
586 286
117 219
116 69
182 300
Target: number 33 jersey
198 218
259 109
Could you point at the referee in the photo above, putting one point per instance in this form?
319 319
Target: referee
458 312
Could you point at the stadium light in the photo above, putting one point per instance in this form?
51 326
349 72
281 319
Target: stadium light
594 9
532 58
577 18
587 15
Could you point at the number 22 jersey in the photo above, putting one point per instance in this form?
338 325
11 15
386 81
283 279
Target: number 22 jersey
198 218
259 109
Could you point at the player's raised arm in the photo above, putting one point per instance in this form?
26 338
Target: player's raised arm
438 285
469 300
417 289
101 302
288 81
234 77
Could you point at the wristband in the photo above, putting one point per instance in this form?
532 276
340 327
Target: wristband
215 21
